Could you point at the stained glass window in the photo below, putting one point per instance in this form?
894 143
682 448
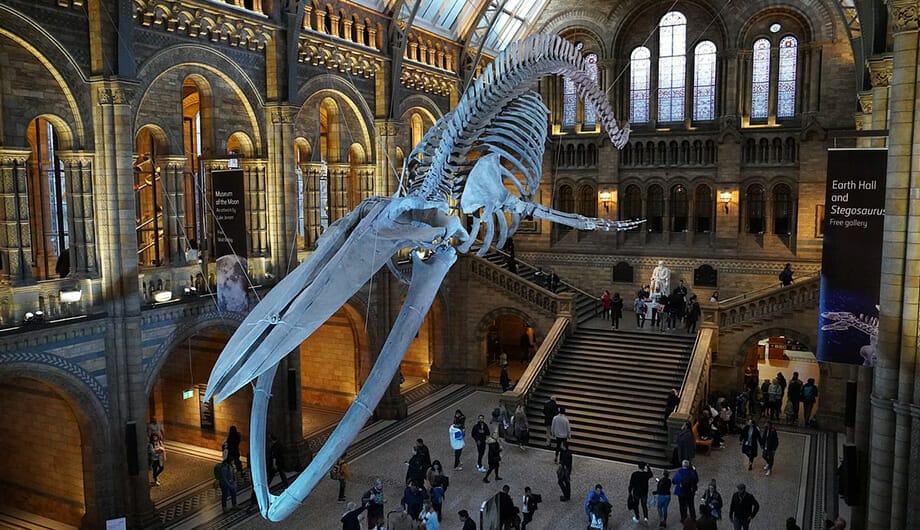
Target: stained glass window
590 112
760 85
671 66
785 88
704 81
639 67
569 102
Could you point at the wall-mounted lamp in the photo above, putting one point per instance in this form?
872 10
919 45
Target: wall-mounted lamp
605 197
725 198
162 296
71 296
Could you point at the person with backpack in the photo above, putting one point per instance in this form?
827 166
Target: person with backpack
374 500
809 396
785 277
223 472
529 505
340 473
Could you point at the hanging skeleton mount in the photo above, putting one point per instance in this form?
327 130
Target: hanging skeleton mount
492 139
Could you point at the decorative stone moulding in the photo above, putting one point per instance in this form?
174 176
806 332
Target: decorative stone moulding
345 59
213 21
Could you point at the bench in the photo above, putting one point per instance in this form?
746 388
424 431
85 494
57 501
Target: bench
704 446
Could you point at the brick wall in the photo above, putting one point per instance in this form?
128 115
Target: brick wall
418 357
328 364
182 416
28 90
40 452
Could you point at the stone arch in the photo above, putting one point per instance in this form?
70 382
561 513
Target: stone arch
205 108
481 331
819 20
420 103
581 19
97 441
352 128
62 67
158 134
345 93
755 336
240 142
187 327
626 15
211 60
65 139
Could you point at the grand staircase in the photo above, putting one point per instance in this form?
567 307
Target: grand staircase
613 385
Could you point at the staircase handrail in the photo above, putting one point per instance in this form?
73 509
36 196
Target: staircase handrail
530 379
738 310
561 281
553 303
695 386
734 300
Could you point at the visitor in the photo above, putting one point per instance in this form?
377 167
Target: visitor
770 445
750 441
809 397
605 305
493 458
156 457
638 490
233 448
785 277
663 498
550 409
744 508
480 433
457 442
564 473
616 310
561 430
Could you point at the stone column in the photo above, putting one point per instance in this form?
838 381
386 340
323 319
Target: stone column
113 179
890 468
864 119
385 157
281 199
880 75
16 245
78 171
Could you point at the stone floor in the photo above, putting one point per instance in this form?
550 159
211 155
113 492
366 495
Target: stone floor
781 495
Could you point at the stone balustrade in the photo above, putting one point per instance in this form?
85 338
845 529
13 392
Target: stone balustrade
548 301
750 308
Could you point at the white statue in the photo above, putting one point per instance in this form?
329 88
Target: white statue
661 279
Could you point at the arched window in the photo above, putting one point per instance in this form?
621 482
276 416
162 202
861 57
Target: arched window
417 129
704 81
565 201
760 85
302 154
569 102
672 30
703 208
755 209
590 120
148 199
639 67
782 210
587 201
655 209
47 191
785 88
680 209
632 203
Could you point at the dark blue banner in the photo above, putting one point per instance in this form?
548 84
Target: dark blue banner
853 225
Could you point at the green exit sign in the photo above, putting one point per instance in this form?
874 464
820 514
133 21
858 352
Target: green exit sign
188 394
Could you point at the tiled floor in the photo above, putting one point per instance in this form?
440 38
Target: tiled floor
779 495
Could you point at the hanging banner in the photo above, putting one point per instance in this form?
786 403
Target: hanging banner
854 218
229 207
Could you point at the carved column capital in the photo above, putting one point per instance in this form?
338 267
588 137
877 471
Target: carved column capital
865 101
880 69
282 113
113 95
905 15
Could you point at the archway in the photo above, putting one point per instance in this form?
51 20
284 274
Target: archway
510 332
334 363
777 356
194 429
48 438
